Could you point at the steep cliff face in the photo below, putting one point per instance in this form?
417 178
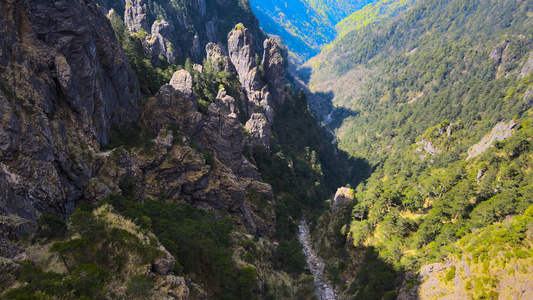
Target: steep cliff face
257 98
64 81
195 159
175 30
67 94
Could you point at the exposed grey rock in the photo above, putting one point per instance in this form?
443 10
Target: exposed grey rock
202 7
528 67
176 103
165 264
274 66
225 133
211 31
182 81
497 53
342 197
409 291
259 129
218 60
9 273
242 53
257 95
162 42
65 81
500 132
428 147
136 16
195 52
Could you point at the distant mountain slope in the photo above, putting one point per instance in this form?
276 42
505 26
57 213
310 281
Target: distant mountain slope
302 28
337 10
304 25
420 96
372 13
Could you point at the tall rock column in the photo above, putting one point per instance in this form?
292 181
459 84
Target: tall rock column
136 16
274 66
259 101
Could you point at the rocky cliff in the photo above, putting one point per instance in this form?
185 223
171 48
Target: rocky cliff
172 31
259 101
64 81
68 94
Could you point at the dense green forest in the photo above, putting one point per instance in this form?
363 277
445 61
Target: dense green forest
424 112
372 13
422 88
304 25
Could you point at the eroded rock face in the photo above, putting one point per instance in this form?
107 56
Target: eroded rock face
162 42
225 132
194 160
242 54
65 80
500 132
528 67
175 103
136 16
274 66
258 100
259 129
342 197
218 60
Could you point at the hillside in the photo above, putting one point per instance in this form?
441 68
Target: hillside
303 29
304 25
438 99
372 13
128 172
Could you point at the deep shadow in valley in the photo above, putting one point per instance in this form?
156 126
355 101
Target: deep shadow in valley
375 278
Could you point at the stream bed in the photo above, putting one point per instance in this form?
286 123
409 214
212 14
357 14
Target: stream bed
323 288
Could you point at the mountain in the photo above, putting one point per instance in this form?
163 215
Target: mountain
338 10
303 29
372 13
305 26
180 29
438 100
127 175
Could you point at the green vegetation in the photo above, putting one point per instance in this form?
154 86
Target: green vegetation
372 13
200 241
149 76
303 168
304 25
337 10
423 88
131 135
302 28
102 249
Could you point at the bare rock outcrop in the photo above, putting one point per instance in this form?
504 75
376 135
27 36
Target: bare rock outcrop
528 67
342 197
274 66
162 43
65 80
259 129
500 132
195 160
136 16
258 99
225 133
217 59
175 103
242 54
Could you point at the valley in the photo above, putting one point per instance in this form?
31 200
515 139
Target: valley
296 149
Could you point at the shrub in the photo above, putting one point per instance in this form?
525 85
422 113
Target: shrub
51 226
140 286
